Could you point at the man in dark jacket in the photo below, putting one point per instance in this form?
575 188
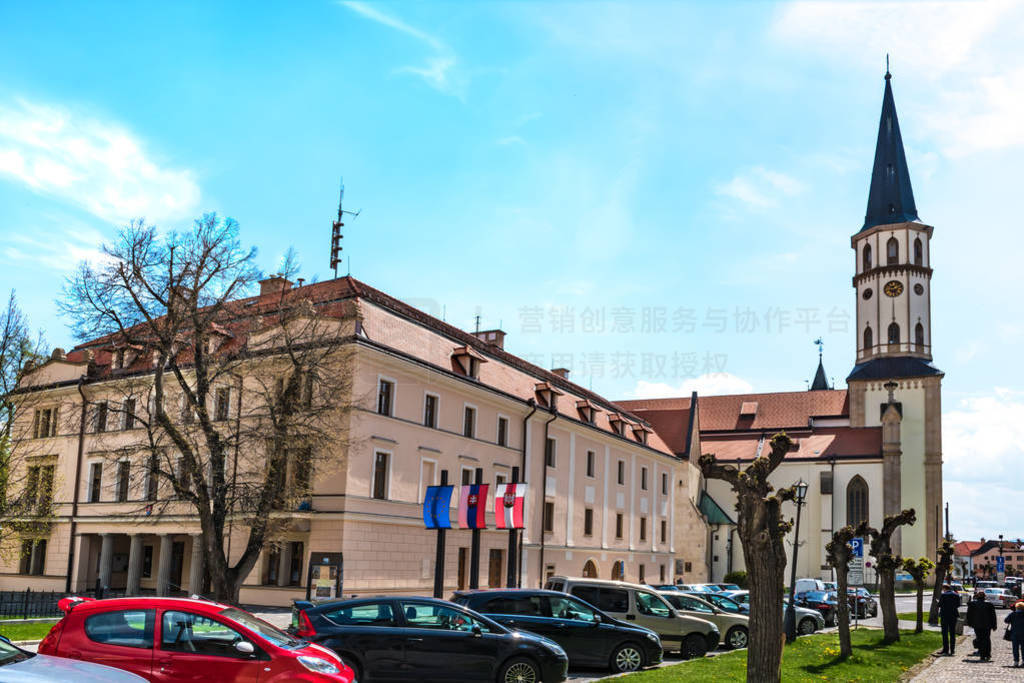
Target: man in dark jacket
981 616
949 612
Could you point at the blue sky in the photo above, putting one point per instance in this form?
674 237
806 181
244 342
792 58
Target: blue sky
684 177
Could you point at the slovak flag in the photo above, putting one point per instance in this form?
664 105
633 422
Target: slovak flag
509 506
435 507
473 507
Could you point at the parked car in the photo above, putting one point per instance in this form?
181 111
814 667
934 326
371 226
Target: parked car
1000 597
704 588
808 585
734 626
589 636
727 587
426 639
178 639
807 620
724 603
690 636
863 602
22 666
823 601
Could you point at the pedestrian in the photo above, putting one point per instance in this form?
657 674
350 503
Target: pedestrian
949 613
1016 633
981 616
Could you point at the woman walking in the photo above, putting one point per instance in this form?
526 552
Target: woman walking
1016 632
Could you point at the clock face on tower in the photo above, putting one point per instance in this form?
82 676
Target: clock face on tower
893 288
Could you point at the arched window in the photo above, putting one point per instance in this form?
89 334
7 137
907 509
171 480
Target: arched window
894 333
919 335
619 571
869 339
856 501
867 257
892 251
918 252
590 570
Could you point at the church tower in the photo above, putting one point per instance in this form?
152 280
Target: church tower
894 337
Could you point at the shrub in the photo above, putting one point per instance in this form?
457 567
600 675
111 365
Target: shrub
739 578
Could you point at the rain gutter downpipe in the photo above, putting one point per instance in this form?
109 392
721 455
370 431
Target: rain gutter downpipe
525 477
544 487
77 487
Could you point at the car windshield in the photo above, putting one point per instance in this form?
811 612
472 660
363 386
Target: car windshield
654 605
10 654
820 596
271 633
725 603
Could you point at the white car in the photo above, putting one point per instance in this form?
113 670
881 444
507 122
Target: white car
21 666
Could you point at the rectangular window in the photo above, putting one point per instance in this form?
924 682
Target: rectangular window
499 479
147 561
183 476
643 574
222 404
25 559
550 452
188 416
502 431
467 476
151 478
588 522
622 472
549 516
430 411
129 413
664 483
618 525
101 417
45 488
643 528
591 463
385 396
44 423
123 470
95 481
380 476
664 530
643 478
32 486
469 422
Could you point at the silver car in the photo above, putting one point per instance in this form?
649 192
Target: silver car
21 666
807 620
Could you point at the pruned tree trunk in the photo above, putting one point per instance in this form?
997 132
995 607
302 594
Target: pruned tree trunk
762 532
839 552
887 601
886 564
942 569
920 608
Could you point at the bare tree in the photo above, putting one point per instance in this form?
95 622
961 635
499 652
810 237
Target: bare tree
943 569
886 564
762 532
919 570
239 402
839 551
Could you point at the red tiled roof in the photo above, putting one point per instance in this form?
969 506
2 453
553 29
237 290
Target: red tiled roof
670 425
966 547
823 443
779 410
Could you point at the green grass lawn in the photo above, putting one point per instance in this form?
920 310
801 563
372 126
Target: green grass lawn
21 630
911 616
813 658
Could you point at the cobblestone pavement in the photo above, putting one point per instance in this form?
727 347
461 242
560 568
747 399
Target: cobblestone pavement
962 667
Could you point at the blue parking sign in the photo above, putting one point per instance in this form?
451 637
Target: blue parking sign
1000 564
857 544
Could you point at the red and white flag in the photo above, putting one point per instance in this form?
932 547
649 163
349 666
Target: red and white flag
509 506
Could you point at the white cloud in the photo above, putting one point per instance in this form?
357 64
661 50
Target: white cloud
982 448
61 249
712 384
759 187
439 70
510 140
96 165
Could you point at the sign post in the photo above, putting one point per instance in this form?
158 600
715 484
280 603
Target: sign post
510 577
1001 569
474 543
856 573
437 515
326 575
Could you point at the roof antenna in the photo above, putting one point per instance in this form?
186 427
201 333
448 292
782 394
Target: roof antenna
821 346
336 231
887 74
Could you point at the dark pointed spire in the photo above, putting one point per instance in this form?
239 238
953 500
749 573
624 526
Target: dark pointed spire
820 381
890 200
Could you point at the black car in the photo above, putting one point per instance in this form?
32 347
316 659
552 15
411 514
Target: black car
726 604
823 601
862 600
425 639
590 637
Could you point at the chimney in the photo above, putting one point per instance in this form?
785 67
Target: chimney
274 285
561 372
58 354
492 337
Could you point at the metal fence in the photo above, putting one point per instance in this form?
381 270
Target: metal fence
30 604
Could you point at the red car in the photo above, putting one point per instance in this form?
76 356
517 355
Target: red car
176 639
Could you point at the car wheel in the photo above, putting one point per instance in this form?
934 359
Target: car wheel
354 665
806 626
627 657
736 638
694 646
519 670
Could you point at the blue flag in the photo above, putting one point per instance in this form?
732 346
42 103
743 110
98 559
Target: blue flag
436 506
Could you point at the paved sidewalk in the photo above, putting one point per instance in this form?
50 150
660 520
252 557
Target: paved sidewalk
962 667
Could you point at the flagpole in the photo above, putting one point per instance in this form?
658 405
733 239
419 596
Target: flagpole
439 553
474 552
510 581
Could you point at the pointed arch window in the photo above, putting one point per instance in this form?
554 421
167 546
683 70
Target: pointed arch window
918 252
894 333
856 501
619 571
590 570
919 336
892 251
867 257
869 339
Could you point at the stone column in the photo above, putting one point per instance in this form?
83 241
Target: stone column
892 468
195 572
134 566
106 559
284 564
163 575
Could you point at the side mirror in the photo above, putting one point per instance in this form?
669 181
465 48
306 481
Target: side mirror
245 647
477 631
597 620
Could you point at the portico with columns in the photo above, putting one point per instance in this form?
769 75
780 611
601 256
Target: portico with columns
137 563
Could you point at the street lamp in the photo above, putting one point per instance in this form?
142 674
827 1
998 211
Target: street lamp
801 494
1000 555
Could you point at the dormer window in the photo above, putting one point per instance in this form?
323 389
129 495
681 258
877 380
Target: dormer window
640 432
547 395
617 424
587 411
466 361
117 360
